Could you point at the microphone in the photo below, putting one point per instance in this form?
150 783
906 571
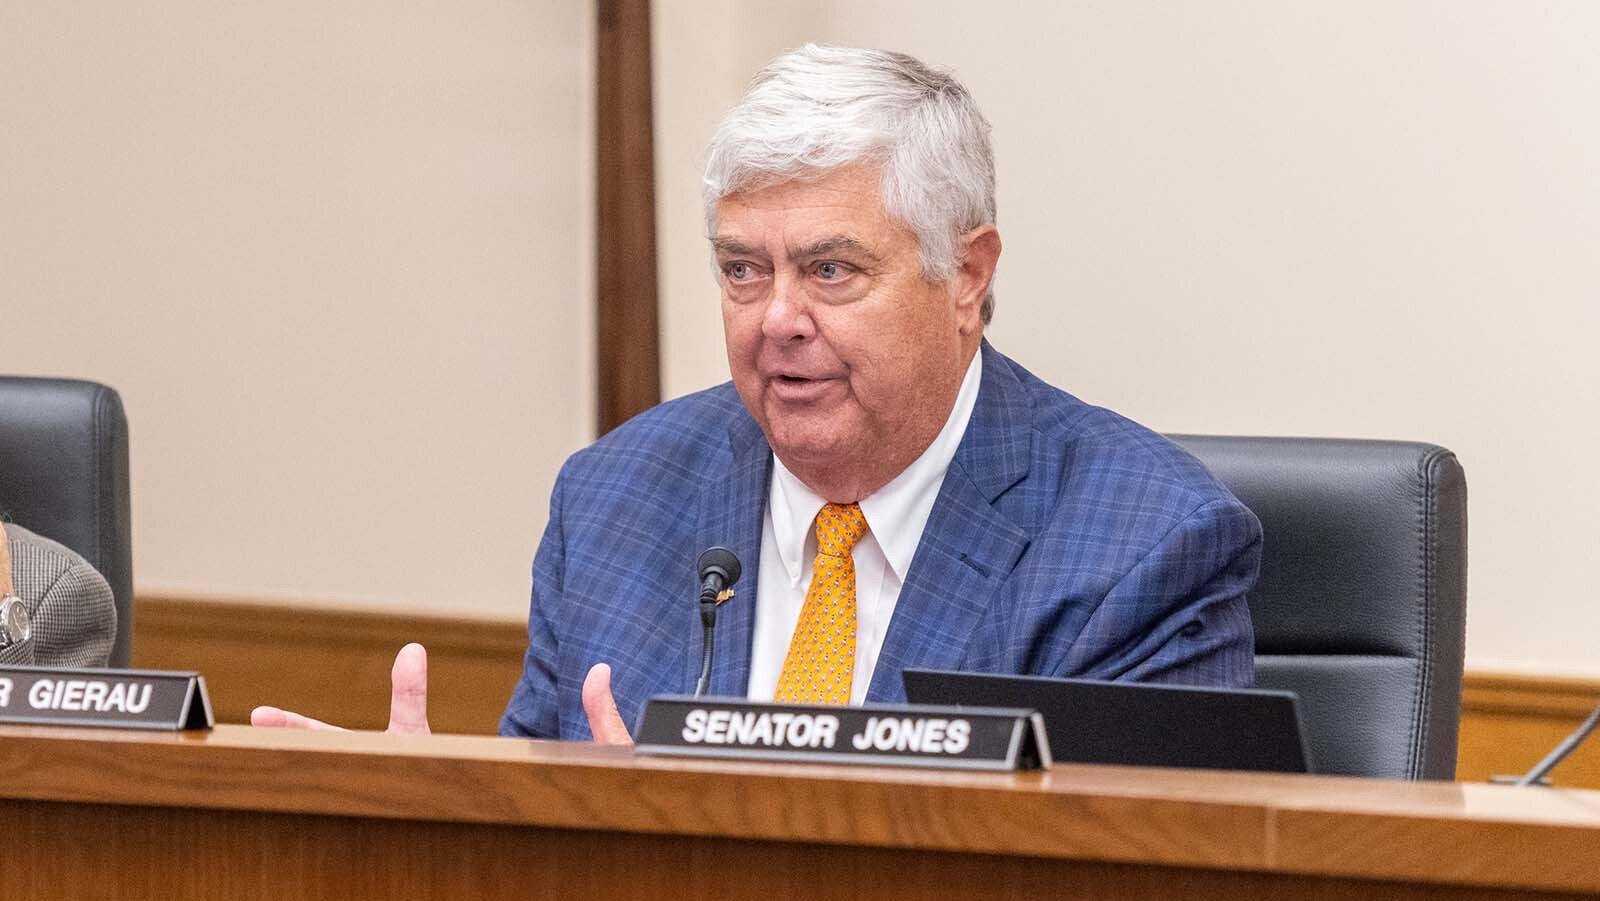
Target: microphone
719 569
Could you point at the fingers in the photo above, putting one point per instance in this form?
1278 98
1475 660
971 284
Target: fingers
5 563
604 721
274 718
408 697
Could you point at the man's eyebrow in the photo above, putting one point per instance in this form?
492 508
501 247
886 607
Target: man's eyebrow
833 245
733 247
724 246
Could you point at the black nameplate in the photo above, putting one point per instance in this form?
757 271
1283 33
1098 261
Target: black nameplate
124 698
967 738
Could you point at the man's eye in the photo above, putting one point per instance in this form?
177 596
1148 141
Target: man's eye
830 271
738 271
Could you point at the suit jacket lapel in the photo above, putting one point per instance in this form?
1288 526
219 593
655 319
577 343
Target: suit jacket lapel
730 515
968 548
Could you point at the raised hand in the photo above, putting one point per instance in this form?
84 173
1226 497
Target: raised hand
408 700
408 703
5 563
605 723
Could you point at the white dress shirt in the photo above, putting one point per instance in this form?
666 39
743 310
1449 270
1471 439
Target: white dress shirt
896 514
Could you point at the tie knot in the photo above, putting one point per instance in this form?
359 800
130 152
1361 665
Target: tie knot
839 527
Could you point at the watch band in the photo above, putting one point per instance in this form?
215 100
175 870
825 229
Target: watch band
15 624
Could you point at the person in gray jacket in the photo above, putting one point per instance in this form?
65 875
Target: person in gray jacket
55 609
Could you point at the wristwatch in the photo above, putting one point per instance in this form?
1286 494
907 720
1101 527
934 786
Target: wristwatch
15 624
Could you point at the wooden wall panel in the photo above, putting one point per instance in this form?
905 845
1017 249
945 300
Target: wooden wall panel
333 664
629 356
328 662
1509 723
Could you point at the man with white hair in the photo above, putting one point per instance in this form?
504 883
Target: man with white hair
901 494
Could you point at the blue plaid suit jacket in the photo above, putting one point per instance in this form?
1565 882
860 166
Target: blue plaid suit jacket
1066 541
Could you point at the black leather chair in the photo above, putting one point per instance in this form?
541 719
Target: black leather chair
64 475
1361 606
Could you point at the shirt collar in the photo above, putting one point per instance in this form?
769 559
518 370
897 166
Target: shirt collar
895 513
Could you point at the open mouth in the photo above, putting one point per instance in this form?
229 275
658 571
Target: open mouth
799 388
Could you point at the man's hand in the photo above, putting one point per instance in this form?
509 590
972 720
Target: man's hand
5 563
408 699
408 703
605 723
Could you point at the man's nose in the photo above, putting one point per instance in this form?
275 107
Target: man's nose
788 314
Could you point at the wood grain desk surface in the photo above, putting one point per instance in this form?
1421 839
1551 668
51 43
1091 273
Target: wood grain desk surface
1438 833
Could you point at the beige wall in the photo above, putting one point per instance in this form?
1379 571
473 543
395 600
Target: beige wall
336 256
1369 219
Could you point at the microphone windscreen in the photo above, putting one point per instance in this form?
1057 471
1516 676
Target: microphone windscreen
719 560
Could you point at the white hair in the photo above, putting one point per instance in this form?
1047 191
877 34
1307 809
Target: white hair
817 108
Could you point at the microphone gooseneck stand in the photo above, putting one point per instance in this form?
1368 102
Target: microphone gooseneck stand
1536 776
719 569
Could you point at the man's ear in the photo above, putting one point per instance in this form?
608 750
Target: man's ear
980 253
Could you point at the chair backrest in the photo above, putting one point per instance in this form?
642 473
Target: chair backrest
1361 605
64 475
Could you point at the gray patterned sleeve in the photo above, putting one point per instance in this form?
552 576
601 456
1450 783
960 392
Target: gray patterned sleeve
74 615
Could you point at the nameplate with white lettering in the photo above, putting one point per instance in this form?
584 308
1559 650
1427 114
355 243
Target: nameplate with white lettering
123 698
967 738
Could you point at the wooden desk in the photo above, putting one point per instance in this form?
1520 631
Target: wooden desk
243 813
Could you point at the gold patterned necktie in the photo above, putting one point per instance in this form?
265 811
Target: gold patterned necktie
822 654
